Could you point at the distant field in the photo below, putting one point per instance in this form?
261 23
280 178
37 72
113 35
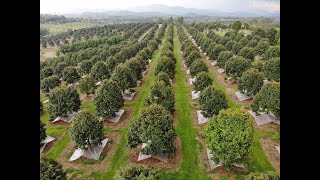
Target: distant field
57 28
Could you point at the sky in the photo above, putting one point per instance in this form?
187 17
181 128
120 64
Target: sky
68 6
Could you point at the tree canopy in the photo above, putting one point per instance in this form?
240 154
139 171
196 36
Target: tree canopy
235 145
198 66
203 80
251 82
153 126
63 100
271 69
161 94
268 99
235 66
109 99
86 130
51 169
212 101
87 85
136 173
70 75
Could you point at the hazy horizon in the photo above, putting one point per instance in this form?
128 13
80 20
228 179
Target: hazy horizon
70 6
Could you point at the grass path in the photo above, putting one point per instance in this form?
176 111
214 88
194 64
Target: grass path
187 133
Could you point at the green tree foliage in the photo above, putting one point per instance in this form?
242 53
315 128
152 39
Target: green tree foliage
163 77
261 47
153 126
217 50
86 130
251 82
244 41
136 67
235 145
203 81
111 63
43 133
46 72
85 66
41 107
268 99
236 48
63 100
87 85
269 175
70 74
198 66
166 65
161 94
271 35
272 52
51 169
257 65
235 66
230 44
236 25
248 53
109 99
223 57
192 56
252 43
212 101
99 71
271 69
180 20
49 83
124 77
136 173
58 69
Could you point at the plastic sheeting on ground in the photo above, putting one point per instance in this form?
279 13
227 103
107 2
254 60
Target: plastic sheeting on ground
201 118
98 83
46 101
214 63
142 156
117 117
242 97
91 152
67 119
220 71
213 165
45 142
191 80
264 118
128 96
278 149
138 83
195 95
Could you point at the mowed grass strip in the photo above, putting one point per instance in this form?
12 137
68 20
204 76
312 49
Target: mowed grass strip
120 156
187 133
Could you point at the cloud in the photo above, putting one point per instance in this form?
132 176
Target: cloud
265 5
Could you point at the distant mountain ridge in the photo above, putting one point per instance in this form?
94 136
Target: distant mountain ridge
163 11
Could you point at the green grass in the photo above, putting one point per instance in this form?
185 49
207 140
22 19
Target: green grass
257 160
88 105
59 146
186 132
58 28
56 130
